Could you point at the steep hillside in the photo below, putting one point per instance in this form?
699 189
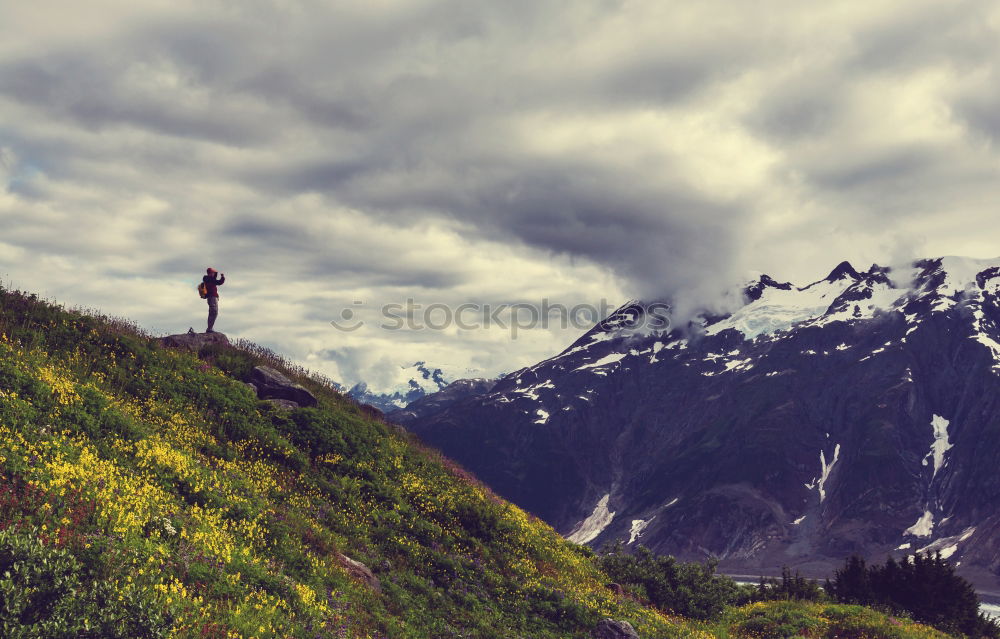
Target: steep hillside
147 492
212 514
857 414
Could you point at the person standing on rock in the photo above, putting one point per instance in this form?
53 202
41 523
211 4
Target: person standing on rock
213 280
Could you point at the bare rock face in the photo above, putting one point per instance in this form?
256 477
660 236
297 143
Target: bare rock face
271 384
192 341
611 629
360 572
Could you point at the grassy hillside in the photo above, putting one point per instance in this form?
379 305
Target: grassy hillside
147 492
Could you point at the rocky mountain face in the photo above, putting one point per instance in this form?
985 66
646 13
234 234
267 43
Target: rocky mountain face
458 391
858 414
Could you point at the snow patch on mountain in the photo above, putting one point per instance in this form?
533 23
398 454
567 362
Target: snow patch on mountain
607 360
981 334
595 338
987 341
825 470
960 272
866 301
656 348
638 525
780 310
923 526
731 365
531 392
959 280
948 546
594 524
940 445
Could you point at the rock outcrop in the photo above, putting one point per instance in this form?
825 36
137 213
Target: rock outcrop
611 629
282 404
267 383
192 341
271 384
360 572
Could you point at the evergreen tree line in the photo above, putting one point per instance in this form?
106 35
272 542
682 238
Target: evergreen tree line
790 586
923 586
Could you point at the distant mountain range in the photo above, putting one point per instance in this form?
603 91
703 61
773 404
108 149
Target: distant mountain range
420 379
856 414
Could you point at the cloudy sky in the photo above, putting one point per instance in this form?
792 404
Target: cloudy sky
331 155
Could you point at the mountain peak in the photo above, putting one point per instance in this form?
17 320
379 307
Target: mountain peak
844 269
755 289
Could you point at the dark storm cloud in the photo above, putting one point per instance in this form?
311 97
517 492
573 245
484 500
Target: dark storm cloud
980 108
806 108
953 33
351 112
475 148
903 167
311 258
91 94
392 102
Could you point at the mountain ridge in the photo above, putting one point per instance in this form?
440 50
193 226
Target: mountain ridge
422 380
888 355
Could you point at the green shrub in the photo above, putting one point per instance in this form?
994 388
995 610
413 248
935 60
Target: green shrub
780 621
45 592
689 589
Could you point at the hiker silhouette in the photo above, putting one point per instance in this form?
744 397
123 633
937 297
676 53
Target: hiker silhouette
213 280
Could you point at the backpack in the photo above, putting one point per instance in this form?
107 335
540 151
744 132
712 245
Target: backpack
203 290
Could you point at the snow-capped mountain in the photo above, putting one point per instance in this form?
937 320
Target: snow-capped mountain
859 413
417 380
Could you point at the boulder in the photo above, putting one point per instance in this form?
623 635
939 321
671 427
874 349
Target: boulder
192 341
611 629
360 572
273 385
282 404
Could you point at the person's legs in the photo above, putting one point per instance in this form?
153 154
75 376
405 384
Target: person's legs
213 312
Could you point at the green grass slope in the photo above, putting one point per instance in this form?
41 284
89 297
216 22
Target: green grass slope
146 492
